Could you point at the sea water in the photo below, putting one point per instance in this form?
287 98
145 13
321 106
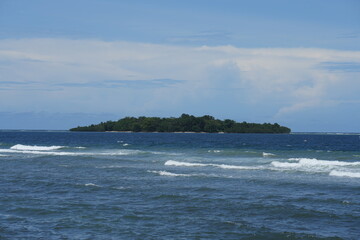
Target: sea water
76 185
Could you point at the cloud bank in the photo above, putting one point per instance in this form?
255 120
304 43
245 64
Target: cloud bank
129 78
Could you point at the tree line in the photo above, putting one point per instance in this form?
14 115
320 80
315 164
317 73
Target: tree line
184 123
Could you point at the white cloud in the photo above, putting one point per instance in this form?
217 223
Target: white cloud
290 79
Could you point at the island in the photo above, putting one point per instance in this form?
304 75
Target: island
184 123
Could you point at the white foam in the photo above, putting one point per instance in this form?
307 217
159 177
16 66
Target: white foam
215 151
91 185
35 148
314 165
120 152
327 163
111 166
7 151
170 174
344 174
50 153
298 159
316 162
224 166
284 164
126 144
267 154
3 155
185 164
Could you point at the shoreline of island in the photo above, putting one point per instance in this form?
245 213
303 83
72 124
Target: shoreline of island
160 132
184 124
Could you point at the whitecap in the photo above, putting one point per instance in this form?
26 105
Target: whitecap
223 166
35 148
344 174
110 166
50 153
7 151
296 159
126 144
313 165
3 155
265 154
121 152
314 161
186 164
327 163
170 174
284 164
91 185
215 151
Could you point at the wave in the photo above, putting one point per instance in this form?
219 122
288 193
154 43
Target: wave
170 174
47 153
51 153
223 166
334 168
284 164
267 154
316 162
215 151
344 174
35 148
185 164
111 166
3 155
91 185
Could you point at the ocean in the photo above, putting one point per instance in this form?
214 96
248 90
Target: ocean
82 185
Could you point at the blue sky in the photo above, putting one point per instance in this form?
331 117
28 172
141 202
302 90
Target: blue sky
68 63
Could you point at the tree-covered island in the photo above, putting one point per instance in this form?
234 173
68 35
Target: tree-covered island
184 123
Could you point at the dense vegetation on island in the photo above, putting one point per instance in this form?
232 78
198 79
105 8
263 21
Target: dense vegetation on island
185 123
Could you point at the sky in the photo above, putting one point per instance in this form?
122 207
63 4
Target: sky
69 63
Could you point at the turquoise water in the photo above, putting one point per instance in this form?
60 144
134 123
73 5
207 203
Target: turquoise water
68 185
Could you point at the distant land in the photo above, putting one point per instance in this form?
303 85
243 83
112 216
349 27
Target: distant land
184 123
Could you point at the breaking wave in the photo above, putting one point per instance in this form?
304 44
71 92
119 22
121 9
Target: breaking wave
170 174
334 168
267 154
344 174
223 166
35 148
42 150
215 151
91 185
185 164
316 162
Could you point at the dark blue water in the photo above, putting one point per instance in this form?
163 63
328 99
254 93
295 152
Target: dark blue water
65 185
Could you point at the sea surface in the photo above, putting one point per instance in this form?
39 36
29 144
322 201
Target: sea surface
77 185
